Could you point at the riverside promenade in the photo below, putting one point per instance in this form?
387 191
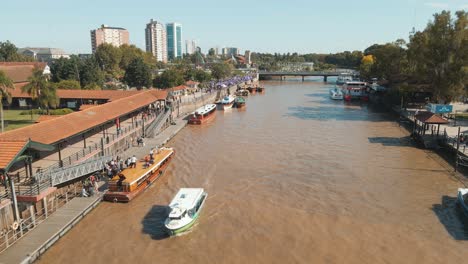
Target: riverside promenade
31 246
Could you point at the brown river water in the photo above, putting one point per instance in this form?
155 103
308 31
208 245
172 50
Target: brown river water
293 178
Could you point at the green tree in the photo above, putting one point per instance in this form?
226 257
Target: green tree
9 52
37 83
40 90
169 78
211 52
438 55
138 74
202 76
66 69
90 73
108 58
221 70
129 54
69 84
6 84
92 86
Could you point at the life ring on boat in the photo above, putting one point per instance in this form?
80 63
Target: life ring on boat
115 200
15 225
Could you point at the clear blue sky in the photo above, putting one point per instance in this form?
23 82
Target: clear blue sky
303 26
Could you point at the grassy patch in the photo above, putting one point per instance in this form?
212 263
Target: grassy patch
14 119
461 116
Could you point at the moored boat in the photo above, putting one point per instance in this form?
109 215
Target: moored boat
252 90
226 102
240 102
202 114
343 78
462 200
131 181
355 90
184 209
242 92
336 94
260 89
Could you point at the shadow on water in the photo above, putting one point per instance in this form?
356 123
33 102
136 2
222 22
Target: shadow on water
452 218
347 113
392 141
153 222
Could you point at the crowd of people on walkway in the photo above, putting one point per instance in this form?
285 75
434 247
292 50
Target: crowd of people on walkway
90 186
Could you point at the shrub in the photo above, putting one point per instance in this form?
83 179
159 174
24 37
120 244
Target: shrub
62 111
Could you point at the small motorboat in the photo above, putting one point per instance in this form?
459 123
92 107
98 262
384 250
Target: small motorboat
336 94
243 92
184 209
462 200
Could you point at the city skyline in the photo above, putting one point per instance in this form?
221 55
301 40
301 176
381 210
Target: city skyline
295 26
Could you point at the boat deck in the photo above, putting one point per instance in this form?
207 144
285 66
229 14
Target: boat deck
133 174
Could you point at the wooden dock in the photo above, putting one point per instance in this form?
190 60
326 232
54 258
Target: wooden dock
30 247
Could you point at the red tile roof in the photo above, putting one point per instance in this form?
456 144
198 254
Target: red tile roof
178 88
20 71
63 127
430 118
191 82
110 95
9 150
43 118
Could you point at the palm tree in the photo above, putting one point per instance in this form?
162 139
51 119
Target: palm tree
40 90
37 84
5 84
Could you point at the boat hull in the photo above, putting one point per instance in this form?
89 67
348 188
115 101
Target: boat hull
128 196
462 204
199 121
182 229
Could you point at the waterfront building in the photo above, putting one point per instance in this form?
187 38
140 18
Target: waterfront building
115 36
190 46
156 40
43 54
230 51
174 40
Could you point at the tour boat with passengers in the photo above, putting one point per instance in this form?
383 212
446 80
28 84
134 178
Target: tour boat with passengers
227 102
184 209
336 94
462 200
131 181
202 114
355 90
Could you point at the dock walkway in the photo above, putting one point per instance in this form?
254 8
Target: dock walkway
30 247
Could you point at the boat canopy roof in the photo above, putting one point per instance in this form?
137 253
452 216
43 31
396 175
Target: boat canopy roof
185 199
205 109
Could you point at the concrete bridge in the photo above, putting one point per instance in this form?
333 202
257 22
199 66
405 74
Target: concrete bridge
282 75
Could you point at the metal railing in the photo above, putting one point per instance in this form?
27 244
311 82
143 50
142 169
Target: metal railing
153 129
8 238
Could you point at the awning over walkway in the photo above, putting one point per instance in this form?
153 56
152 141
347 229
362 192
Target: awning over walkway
55 130
11 151
430 118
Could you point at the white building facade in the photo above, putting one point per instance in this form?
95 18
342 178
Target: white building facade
156 40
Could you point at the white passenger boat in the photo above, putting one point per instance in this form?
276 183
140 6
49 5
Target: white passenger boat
336 94
227 102
343 78
185 209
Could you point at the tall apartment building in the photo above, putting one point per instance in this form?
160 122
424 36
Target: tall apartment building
111 35
156 40
174 40
190 46
230 51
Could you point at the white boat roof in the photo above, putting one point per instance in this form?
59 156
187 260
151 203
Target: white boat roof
186 198
205 109
355 82
228 99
